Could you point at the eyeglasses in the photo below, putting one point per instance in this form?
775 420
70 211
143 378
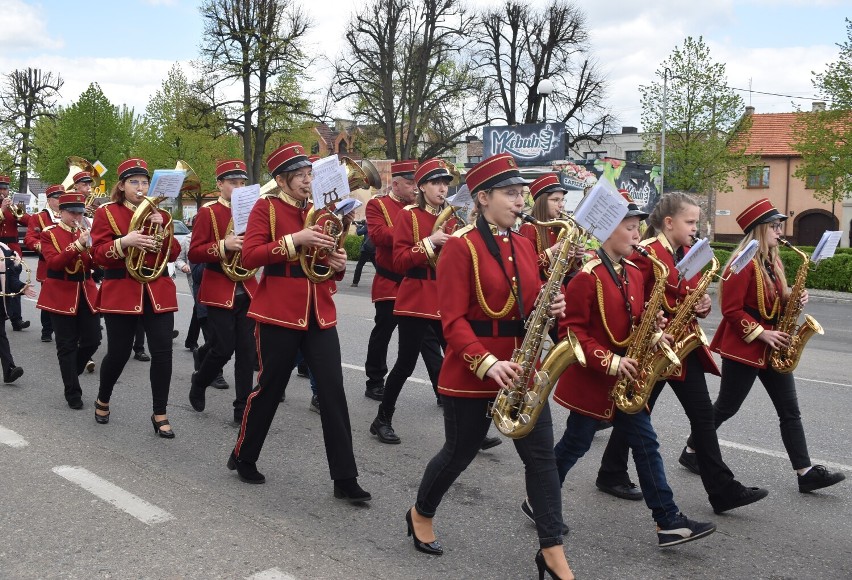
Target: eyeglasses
777 226
138 182
513 194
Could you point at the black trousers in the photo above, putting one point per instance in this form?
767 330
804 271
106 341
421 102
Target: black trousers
46 323
194 329
13 308
139 338
376 365
77 339
277 347
465 427
5 349
233 335
692 393
121 329
737 380
412 332
363 259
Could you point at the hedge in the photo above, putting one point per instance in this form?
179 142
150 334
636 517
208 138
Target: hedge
352 245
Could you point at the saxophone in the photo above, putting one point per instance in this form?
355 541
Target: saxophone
688 337
631 395
518 406
785 360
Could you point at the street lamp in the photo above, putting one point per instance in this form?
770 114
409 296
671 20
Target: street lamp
545 89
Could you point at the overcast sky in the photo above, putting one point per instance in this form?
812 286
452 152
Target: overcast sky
127 46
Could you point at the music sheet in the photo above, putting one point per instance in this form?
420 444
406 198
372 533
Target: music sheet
744 257
826 246
330 183
166 183
601 210
695 259
242 202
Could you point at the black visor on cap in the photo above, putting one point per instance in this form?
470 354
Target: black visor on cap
236 174
133 171
293 164
75 207
505 182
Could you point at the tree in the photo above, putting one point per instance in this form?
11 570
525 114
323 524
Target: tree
248 46
92 128
28 96
406 71
706 132
824 138
519 46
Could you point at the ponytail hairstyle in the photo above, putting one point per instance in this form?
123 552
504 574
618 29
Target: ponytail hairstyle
669 205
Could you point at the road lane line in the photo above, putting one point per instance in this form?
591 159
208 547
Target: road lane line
362 369
12 439
823 382
781 454
271 574
112 494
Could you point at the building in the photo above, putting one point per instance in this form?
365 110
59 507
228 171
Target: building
629 145
771 138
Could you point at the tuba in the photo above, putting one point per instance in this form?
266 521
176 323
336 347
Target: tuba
76 165
631 395
785 360
358 176
518 406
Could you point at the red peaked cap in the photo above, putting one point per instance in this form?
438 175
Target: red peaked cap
496 171
404 169
288 157
546 184
54 191
231 169
133 166
432 169
760 212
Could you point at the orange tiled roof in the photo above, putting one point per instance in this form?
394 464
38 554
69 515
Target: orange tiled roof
771 134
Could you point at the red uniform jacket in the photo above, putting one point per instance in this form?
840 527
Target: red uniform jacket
9 229
751 303
676 291
285 297
37 224
418 291
474 291
542 247
119 292
207 246
597 314
68 270
381 213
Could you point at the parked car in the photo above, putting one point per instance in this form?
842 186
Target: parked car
181 233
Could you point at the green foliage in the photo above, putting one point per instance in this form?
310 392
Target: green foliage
352 245
831 274
705 129
825 138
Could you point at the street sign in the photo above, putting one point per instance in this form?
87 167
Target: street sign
723 212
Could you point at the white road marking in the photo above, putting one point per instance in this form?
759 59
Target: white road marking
362 369
271 574
781 454
12 439
112 494
823 382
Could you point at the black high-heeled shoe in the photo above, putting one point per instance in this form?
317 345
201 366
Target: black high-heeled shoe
102 419
158 428
542 566
433 548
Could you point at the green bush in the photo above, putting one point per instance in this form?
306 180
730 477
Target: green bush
352 245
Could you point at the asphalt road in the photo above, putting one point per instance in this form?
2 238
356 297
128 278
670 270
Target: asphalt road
81 500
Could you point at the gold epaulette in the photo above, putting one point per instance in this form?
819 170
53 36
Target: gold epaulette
649 241
467 229
411 207
48 228
209 203
378 195
629 263
591 264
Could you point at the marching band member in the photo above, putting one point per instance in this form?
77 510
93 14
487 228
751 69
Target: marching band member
69 294
123 300
49 216
548 200
294 313
751 303
10 271
227 301
416 308
488 281
381 213
672 224
607 299
9 236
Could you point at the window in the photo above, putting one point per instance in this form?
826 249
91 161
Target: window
815 181
633 155
595 155
474 159
451 160
758 177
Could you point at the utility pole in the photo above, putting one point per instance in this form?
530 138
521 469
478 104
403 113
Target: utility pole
711 193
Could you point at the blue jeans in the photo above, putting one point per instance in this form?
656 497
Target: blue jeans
577 439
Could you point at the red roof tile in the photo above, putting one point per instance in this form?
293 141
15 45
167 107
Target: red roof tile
771 134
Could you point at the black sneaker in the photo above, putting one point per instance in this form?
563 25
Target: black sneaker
526 508
818 477
245 469
375 393
689 461
490 442
622 490
302 370
46 337
682 530
220 383
744 496
314 405
142 355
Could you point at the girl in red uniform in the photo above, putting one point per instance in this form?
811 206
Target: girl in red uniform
548 201
672 224
415 250
123 300
69 294
294 313
751 303
488 281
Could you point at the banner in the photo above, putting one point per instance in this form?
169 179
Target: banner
537 144
638 179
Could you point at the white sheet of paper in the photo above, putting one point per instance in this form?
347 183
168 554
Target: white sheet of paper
601 210
23 198
695 259
166 183
347 205
461 198
827 245
242 202
744 257
330 184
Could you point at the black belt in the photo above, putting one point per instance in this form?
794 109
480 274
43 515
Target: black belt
757 316
9 240
498 328
293 271
215 266
60 275
390 275
422 274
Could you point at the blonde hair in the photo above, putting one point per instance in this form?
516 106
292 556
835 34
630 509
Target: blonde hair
764 254
669 205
